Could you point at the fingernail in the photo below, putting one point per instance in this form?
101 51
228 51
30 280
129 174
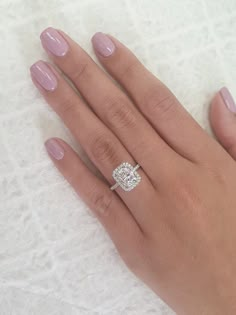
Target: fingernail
228 99
54 149
103 44
54 42
44 76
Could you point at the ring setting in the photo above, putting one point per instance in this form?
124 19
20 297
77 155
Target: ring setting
126 176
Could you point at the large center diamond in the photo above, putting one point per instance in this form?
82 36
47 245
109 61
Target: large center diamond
126 176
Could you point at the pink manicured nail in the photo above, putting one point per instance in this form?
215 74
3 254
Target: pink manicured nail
54 42
103 45
44 76
228 99
54 149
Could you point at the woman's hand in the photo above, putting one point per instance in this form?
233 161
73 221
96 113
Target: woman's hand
176 230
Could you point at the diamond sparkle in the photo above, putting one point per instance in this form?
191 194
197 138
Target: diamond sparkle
126 176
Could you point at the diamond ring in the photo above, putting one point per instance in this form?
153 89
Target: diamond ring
126 176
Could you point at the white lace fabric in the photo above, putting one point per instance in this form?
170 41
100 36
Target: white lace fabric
55 257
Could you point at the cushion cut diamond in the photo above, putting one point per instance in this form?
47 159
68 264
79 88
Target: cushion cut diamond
126 176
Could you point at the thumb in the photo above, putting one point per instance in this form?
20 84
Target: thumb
223 120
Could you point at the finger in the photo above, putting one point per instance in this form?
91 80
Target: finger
154 99
100 144
223 120
113 107
105 204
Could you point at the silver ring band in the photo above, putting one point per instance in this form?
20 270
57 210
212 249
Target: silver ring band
126 177
115 186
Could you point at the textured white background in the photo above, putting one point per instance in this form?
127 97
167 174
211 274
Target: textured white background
54 256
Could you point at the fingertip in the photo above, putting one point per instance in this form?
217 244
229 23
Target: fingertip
45 31
221 106
228 99
103 45
96 35
54 148
222 118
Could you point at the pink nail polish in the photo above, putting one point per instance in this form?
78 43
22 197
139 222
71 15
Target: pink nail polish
54 149
54 42
103 44
44 76
228 99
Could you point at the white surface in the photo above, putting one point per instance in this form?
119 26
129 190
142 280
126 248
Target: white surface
54 256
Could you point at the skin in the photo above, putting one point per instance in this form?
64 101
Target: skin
176 229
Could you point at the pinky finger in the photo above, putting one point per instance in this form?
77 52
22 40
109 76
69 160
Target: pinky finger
223 120
105 203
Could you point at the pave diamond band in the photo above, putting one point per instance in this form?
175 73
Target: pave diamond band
126 176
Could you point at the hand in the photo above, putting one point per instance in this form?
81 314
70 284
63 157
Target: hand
176 230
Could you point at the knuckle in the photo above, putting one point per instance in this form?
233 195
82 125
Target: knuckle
120 113
188 192
187 187
101 201
79 72
67 109
160 104
104 148
130 70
